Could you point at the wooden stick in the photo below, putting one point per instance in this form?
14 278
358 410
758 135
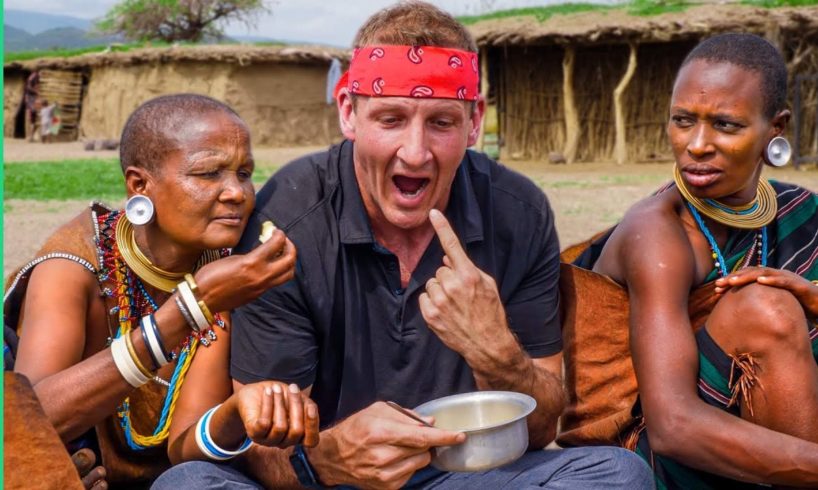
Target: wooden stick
569 107
621 148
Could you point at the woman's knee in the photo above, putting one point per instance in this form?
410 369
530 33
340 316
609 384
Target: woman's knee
755 318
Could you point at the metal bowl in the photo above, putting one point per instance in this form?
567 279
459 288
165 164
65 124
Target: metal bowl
494 424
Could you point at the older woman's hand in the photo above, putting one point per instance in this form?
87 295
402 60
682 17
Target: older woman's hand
233 281
277 415
805 292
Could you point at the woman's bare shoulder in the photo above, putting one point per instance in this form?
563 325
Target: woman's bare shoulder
651 227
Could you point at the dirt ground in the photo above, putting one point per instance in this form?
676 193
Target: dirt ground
586 197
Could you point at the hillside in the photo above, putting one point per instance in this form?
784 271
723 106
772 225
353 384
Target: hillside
36 22
33 34
16 39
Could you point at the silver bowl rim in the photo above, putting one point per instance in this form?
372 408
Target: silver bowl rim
527 401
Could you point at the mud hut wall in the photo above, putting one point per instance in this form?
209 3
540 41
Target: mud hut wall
283 104
14 82
530 107
113 92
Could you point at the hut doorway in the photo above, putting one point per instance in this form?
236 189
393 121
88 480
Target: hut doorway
60 87
20 120
64 88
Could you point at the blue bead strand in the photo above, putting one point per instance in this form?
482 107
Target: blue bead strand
720 262
145 294
726 209
720 265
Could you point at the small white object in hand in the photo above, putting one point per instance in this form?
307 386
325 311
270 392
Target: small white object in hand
267 229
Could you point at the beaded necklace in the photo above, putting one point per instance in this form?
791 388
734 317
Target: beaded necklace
718 258
133 302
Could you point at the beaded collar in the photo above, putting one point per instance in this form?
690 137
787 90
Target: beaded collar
132 302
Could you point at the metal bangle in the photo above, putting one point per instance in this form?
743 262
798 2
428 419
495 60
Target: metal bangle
192 306
191 282
206 312
186 314
194 288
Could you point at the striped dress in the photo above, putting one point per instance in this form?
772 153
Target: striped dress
793 246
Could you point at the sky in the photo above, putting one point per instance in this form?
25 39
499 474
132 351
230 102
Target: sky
331 22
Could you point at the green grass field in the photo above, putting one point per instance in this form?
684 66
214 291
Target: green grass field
65 179
97 178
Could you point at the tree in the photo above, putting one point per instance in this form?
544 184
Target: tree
177 20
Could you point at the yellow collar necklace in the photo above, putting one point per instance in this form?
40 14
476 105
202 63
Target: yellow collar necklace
759 212
143 267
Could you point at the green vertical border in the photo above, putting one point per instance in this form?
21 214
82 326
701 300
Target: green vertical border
2 200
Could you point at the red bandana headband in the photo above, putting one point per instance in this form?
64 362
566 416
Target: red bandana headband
412 71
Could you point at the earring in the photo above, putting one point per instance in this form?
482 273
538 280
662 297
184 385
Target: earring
778 151
139 209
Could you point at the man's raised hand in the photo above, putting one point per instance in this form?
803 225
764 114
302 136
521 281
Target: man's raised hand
461 303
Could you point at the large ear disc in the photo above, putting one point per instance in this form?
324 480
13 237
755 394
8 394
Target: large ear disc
139 210
778 152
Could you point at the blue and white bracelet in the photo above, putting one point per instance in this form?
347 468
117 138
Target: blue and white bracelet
208 447
153 341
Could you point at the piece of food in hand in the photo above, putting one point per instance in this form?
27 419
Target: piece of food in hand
267 229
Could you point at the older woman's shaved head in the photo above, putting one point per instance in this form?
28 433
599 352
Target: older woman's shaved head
150 132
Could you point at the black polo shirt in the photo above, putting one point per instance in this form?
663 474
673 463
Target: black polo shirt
345 326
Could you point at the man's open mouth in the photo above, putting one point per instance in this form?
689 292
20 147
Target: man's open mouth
410 186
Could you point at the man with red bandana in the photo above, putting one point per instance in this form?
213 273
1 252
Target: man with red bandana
424 270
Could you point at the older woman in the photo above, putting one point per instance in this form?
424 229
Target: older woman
118 303
733 403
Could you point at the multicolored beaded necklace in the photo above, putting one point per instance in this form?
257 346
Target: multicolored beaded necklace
133 302
759 247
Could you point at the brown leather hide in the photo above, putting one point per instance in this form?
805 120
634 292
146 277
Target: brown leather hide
34 455
599 374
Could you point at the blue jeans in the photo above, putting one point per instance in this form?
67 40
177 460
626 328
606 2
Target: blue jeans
585 468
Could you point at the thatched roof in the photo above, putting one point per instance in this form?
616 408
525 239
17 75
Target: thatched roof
617 26
243 55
